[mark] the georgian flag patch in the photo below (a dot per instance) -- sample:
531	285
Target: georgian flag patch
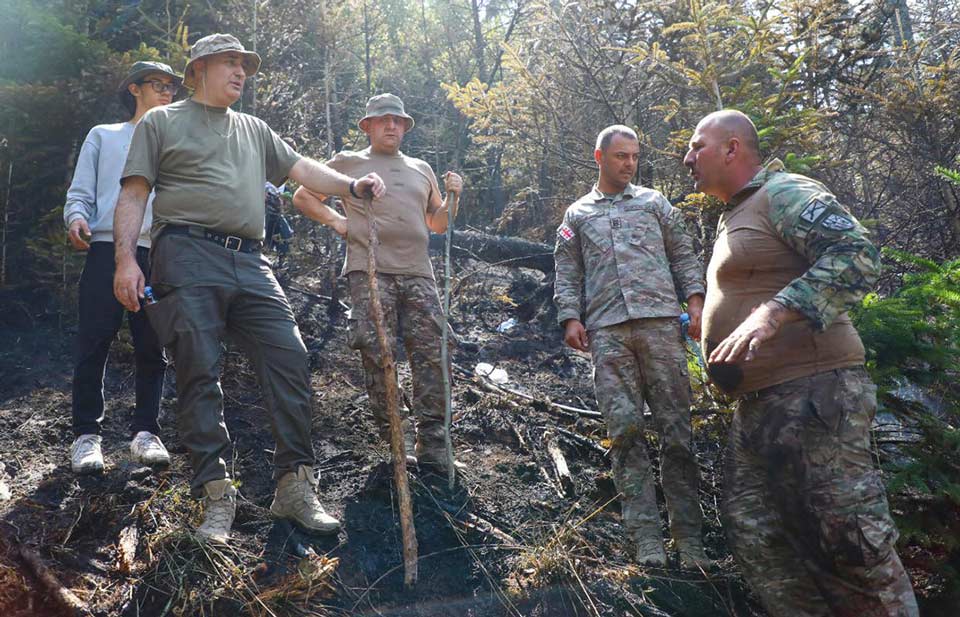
565	233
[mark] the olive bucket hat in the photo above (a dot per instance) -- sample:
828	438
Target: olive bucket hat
385	105
141	69
214	44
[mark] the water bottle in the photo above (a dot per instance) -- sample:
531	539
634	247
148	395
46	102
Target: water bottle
684	326
148	297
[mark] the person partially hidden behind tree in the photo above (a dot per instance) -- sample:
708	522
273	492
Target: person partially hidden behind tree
209	165
623	257
804	507
88	215
410	210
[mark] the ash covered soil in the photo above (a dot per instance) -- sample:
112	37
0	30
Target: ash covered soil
510	539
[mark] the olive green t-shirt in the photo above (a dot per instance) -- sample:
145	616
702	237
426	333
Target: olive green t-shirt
208	166
401	214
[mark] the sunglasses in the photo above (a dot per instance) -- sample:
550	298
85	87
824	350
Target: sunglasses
160	87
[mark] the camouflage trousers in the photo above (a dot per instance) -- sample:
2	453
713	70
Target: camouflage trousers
637	361
804	508
411	309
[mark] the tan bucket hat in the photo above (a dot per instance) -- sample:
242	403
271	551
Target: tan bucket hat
385	104
214	44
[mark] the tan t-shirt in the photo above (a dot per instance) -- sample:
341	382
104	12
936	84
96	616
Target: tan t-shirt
750	265
208	166
401	213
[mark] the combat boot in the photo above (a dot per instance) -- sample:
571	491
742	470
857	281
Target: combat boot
219	508
409	441
692	555
650	552
296	499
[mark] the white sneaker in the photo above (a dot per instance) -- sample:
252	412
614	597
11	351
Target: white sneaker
85	454
147	449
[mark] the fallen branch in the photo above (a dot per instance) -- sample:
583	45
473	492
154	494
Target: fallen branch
407	530
318	297
545	402
560	466
65	598
127	543
476	522
580	440
505	250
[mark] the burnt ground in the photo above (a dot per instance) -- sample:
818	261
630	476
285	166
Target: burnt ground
506	541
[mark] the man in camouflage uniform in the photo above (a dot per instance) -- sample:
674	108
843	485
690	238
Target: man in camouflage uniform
804	507
623	253
411	208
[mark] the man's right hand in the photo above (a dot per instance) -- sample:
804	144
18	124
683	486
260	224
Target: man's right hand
340	226
370	186
78	230
575	335
128	283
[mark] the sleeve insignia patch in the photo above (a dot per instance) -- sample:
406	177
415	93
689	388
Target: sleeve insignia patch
565	233
813	211
837	222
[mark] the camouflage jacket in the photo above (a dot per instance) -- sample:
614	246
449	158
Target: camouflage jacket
844	264
623	258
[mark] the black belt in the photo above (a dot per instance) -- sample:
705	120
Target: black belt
233	243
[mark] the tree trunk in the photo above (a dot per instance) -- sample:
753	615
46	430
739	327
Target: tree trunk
512	252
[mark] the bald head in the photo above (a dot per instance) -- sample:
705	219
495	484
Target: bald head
724	153
733	124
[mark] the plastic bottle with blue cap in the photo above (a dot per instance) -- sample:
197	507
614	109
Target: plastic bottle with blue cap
695	346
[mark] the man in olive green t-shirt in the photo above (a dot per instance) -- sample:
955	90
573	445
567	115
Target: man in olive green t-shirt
411	208
208	165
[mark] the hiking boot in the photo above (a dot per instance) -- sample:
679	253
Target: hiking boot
650	553
296	499
692	556
219	508
85	454
409	442
147	449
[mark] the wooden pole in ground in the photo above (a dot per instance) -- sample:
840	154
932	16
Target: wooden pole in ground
453	199
407	529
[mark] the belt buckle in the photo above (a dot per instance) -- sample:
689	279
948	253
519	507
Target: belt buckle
233	243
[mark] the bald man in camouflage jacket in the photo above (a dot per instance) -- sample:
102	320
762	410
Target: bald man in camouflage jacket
804	507
623	255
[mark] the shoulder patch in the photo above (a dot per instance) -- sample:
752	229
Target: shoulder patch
565	232
814	210
837	222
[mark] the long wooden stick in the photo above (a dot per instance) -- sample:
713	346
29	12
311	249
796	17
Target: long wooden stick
445	340
407	529
66	599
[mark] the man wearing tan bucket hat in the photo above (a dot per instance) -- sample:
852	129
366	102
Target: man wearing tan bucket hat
411	208
208	165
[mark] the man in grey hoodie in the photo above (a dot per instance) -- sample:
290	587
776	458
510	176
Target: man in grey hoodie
88	215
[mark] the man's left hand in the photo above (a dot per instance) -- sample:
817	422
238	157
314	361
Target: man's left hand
743	343
370	186
452	182
695	311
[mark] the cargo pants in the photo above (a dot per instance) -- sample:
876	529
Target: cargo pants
205	292
411	309
644	360
804	508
